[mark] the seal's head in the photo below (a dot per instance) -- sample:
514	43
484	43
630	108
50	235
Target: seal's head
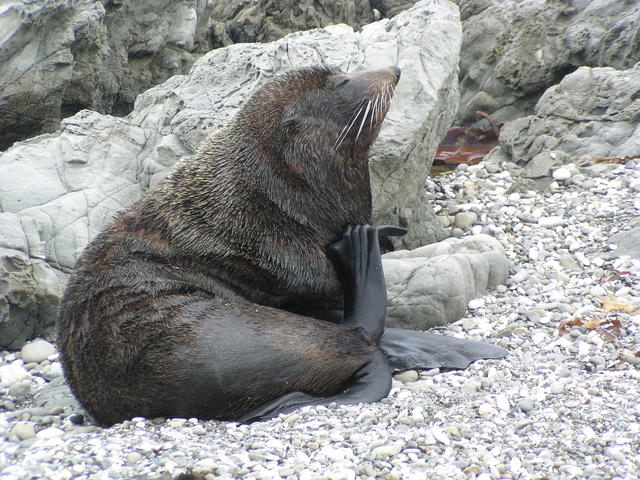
309	132
340	111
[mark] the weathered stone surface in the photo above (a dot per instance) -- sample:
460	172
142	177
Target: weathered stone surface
57	191
627	241
56	394
514	50
592	112
60	56
239	21
432	285
390	8
30	292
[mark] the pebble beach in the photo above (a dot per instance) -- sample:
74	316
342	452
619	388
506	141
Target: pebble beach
564	404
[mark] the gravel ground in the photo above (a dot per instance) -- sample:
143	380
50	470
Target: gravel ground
564	404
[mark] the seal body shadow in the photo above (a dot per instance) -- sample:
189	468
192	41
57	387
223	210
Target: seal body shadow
215	296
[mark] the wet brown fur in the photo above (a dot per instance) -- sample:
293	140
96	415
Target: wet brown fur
182	306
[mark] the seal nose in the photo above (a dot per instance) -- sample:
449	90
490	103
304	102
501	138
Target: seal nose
396	72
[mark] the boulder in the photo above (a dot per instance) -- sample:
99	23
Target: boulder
432	285
59	57
58	190
514	50
239	21
591	113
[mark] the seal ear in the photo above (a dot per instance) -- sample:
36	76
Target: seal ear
291	121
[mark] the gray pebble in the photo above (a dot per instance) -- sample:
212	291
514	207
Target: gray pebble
519	277
20	389
457	232
470	387
408	376
526	405
23	430
464	220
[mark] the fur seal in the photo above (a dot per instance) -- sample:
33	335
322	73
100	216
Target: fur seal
248	282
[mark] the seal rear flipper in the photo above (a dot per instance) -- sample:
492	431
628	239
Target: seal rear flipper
410	349
370	383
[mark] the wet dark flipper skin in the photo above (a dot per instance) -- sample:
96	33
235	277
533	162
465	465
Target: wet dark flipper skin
356	257
409	349
370	383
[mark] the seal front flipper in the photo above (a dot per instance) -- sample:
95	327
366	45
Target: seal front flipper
356	257
370	383
410	349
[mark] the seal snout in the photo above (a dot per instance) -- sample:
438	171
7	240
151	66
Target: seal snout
396	71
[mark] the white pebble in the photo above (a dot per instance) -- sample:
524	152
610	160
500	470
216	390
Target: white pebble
502	402
49	433
204	465
556	387
561	174
408	376
615	453
486	410
386	451
476	303
589	432
14	372
440	436
37	351
552	221
515	465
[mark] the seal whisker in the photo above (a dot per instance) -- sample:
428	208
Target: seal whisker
385	99
364	118
382	102
374	112
345	130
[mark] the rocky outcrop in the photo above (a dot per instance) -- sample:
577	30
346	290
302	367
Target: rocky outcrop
239	21
514	50
432	285
60	56
58	190
592	113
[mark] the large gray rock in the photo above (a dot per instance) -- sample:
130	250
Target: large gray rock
432	285
592	112
514	50
627	241
239	21
57	191
60	56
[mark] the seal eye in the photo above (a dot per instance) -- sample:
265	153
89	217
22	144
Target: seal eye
340	81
